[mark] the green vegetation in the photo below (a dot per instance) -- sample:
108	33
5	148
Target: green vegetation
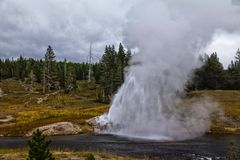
62	75
211	75
39	147
112	67
55	75
62	154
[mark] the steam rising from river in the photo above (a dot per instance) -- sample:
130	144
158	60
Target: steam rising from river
169	34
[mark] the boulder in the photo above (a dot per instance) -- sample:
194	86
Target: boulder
60	128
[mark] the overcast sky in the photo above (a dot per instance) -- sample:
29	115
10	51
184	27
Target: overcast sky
226	45
27	27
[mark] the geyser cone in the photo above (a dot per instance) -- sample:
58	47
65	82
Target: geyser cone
168	35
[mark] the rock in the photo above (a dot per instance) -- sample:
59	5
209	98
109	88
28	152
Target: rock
100	124
39	100
6	119
92	121
60	128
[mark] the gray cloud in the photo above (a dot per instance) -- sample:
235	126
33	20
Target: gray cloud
28	27
225	44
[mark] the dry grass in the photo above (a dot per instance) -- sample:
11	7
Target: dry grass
229	103
62	154
28	114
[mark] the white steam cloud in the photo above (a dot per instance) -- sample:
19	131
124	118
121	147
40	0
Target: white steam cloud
169	34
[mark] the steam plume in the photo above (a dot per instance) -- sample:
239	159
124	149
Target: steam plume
168	34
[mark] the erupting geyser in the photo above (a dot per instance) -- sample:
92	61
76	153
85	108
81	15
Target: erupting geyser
168	34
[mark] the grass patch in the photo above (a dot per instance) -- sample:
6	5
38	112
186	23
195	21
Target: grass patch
61	154
229	103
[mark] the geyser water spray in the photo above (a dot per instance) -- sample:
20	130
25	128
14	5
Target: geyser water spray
168	35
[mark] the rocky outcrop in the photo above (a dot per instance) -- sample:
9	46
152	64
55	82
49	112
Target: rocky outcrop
60	128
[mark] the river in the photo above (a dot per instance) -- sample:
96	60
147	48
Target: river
206	147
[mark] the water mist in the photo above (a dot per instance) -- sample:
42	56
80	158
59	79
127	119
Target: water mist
168	34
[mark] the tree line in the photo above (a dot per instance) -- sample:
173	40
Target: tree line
112	67
109	72
55	75
212	75
51	73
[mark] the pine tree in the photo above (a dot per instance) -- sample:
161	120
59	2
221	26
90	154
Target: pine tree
49	82
128	57
60	77
111	70
70	79
106	74
234	72
65	73
37	70
96	72
114	76
7	70
39	147
30	79
237	57
21	68
121	62
211	75
215	72
197	81
237	69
